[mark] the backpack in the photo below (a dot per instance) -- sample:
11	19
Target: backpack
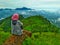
14	22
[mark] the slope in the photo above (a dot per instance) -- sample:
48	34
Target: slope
16	39
39	24
43	32
5	24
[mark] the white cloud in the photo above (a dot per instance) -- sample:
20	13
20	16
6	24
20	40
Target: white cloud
58	19
1	18
23	12
30	3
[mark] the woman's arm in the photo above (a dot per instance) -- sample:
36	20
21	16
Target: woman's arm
21	24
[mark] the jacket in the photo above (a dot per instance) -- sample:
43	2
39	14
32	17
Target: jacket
17	29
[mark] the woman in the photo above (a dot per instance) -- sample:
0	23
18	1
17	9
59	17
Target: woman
16	25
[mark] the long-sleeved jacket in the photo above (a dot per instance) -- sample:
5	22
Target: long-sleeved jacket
17	29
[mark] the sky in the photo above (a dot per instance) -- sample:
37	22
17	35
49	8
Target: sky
35	4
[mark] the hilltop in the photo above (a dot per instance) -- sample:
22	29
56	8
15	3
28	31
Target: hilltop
43	32
39	24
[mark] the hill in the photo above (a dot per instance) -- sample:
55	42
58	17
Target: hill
5	24
23	8
43	32
39	24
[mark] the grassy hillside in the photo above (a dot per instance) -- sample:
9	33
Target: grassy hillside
3	36
43	32
45	38
5	25
39	24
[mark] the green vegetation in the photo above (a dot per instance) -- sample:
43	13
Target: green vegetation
5	25
43	32
3	36
45	38
39	24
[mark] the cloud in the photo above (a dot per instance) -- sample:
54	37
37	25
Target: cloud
30	3
58	19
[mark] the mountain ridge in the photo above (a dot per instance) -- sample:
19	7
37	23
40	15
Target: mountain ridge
42	30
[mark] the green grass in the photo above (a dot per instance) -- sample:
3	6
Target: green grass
3	36
43	32
45	38
39	24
